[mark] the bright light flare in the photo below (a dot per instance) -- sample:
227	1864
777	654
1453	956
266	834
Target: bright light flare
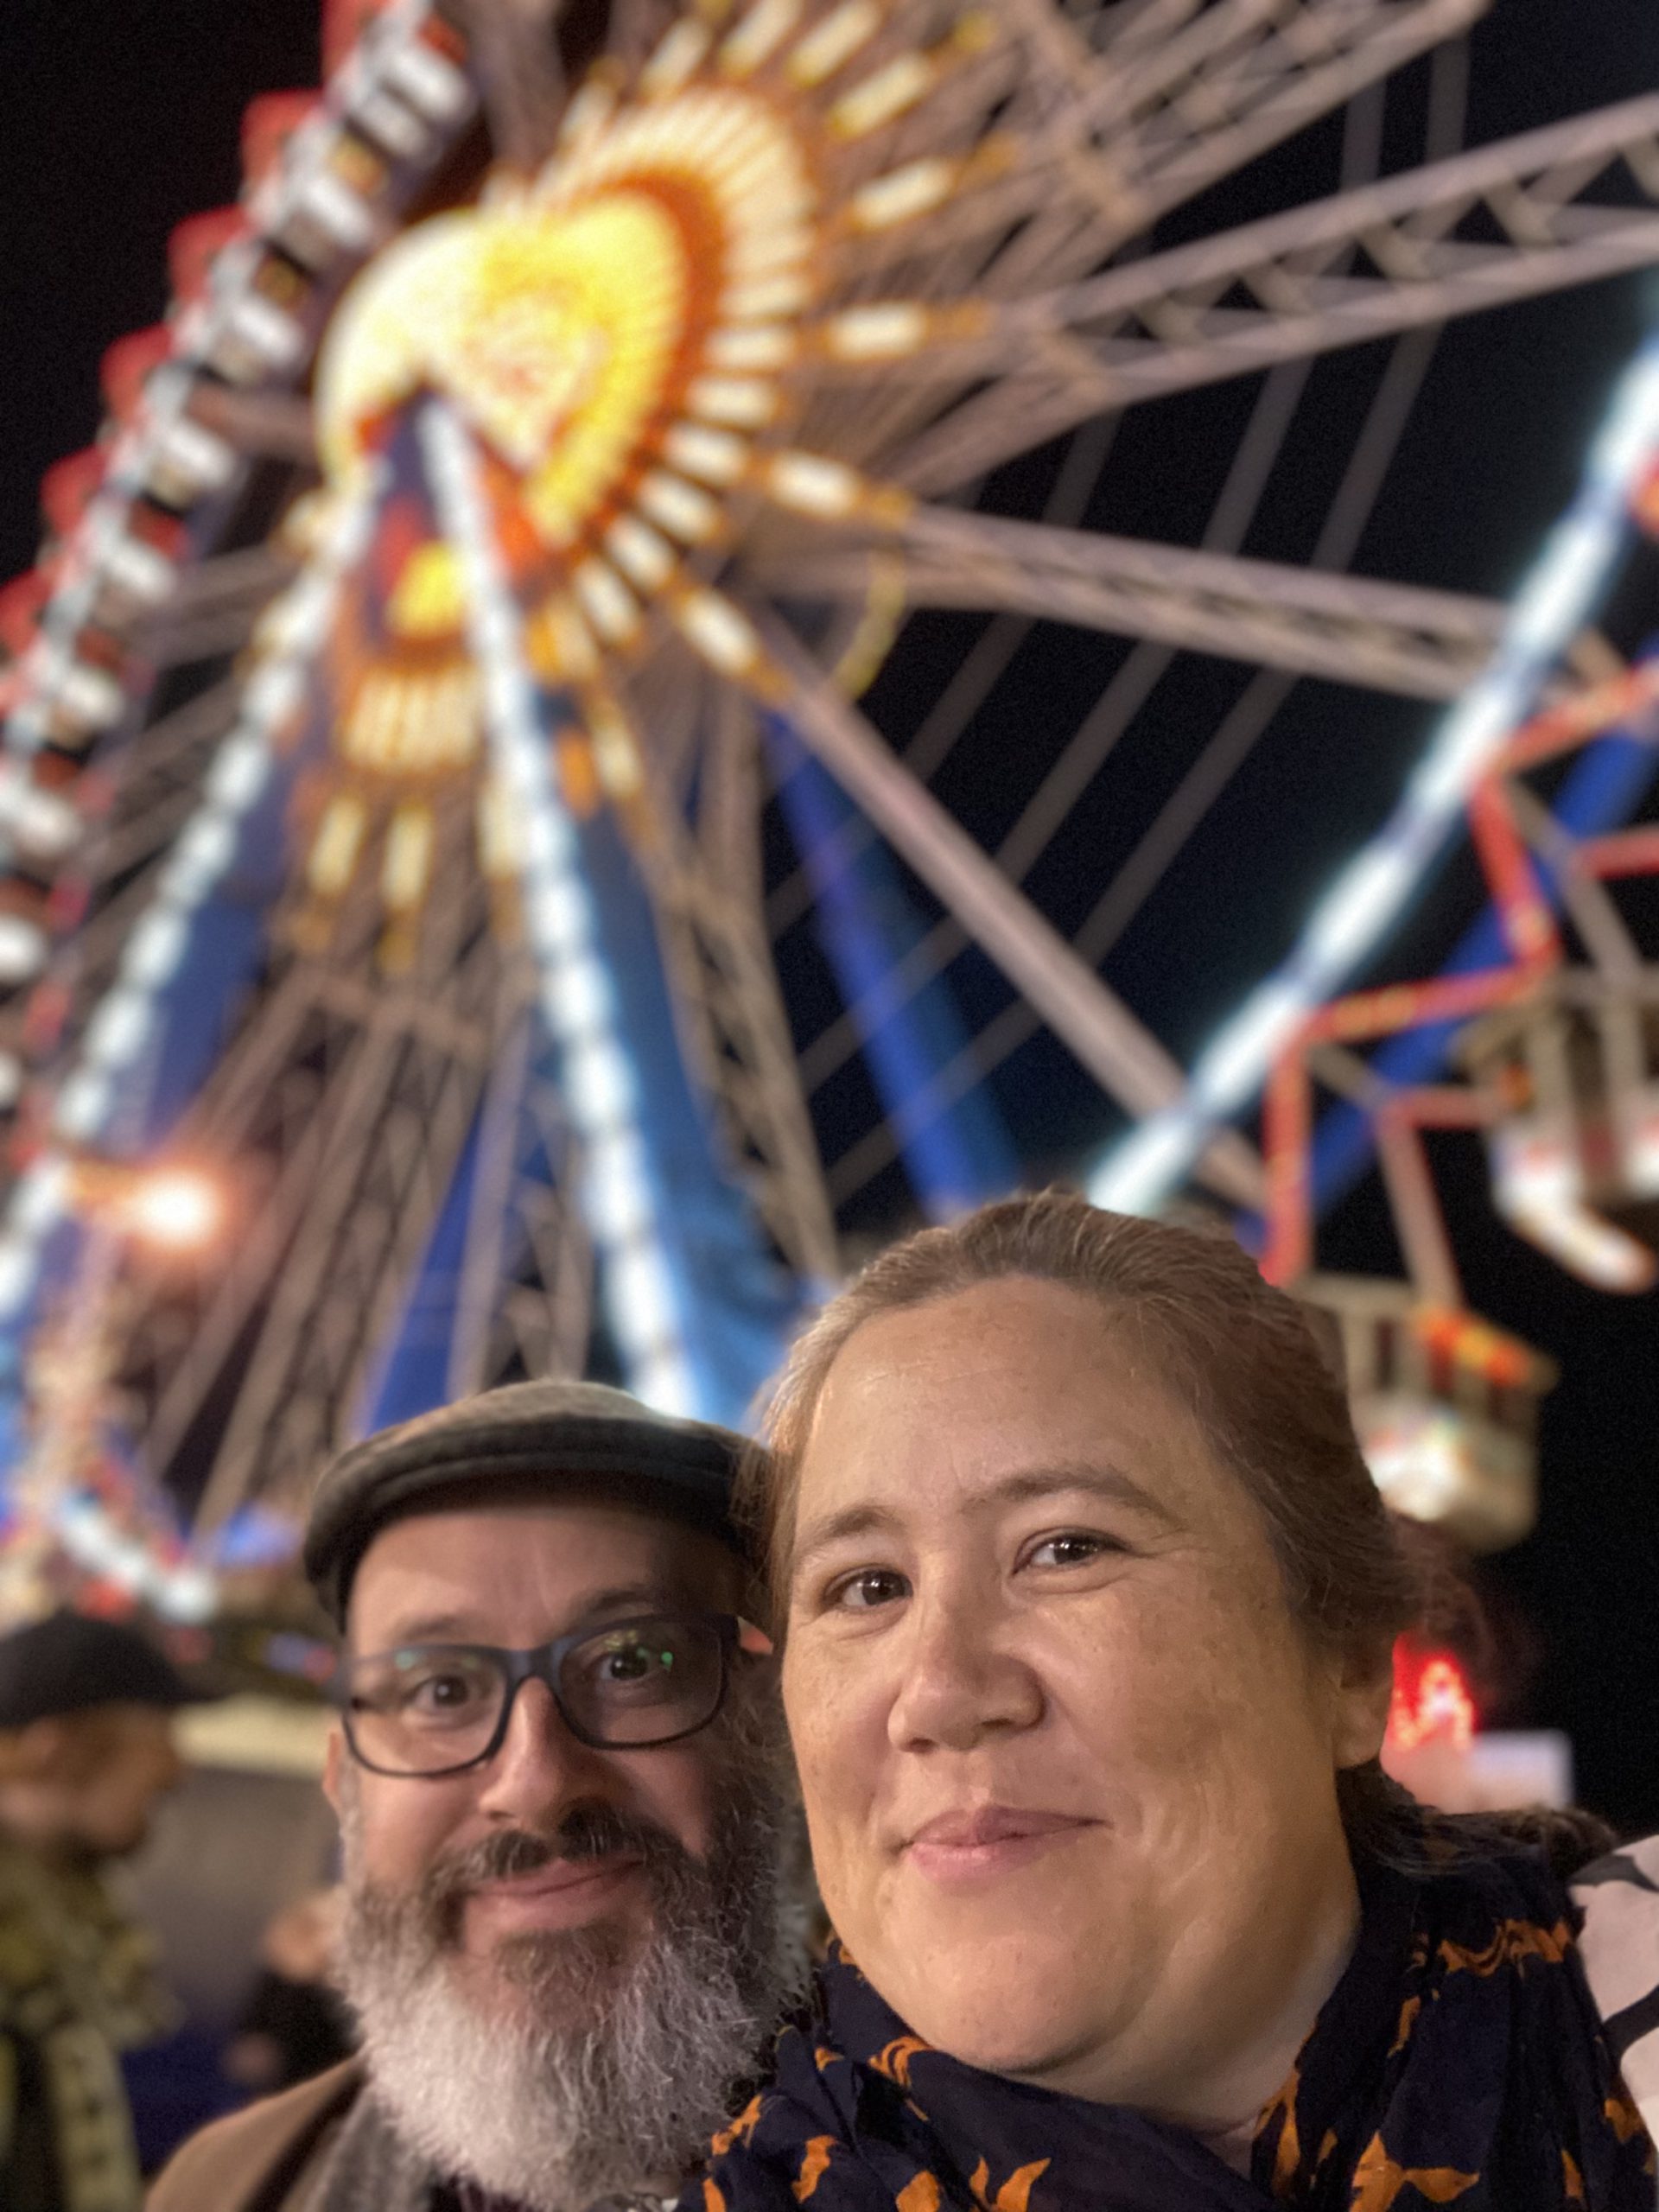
176	1208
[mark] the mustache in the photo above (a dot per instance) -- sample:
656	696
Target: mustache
587	1832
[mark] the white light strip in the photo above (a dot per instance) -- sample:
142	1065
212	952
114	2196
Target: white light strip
391	48
125	1023
598	1082
1349	922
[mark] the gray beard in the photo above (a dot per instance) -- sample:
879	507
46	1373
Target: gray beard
603	2074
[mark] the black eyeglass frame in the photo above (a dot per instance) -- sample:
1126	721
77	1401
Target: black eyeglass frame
542	1663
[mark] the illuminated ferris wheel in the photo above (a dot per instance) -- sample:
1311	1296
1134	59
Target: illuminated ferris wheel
440	707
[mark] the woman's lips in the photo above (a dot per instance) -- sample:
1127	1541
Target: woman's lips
988	1840
565	1893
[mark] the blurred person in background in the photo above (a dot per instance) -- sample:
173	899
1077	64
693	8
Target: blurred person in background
566	1937
86	1754
294	2025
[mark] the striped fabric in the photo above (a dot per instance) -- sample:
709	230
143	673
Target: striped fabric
1620	1896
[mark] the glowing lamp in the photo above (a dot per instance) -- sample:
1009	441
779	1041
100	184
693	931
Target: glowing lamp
176	1208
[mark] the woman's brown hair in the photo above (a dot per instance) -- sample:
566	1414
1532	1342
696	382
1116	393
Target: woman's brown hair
1239	1354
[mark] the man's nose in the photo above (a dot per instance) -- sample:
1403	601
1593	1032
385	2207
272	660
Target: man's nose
960	1682
540	1766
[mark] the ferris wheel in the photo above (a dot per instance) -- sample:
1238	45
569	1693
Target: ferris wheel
445	795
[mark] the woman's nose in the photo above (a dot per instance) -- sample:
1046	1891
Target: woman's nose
961	1682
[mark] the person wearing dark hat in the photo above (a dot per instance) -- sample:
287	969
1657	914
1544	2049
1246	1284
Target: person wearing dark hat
567	1934
86	1752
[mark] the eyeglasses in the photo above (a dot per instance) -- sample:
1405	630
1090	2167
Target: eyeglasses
431	1709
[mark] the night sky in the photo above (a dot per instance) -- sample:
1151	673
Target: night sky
119	121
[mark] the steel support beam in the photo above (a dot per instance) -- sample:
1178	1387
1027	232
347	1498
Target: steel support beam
1424	644
1241	300
1122	1055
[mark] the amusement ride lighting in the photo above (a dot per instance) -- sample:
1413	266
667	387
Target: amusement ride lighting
601	1084
176	1208
1350	921
128	1016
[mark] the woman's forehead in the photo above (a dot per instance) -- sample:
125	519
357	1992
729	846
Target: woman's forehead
1008	1377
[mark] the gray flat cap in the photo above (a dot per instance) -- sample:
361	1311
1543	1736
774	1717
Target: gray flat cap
525	1432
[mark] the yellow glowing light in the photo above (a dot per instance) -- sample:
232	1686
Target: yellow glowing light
716	456
678	507
606	601
408	866
884	97
414	721
678	57
175	1207
587	113
500	833
758	37
560	644
724	637
643	554
814	486
903	194
616	751
761	346
428	601
834	43
339	840
764	297
745	402
885	332
617	332
554	331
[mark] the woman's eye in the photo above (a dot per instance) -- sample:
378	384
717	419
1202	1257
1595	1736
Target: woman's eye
869	1588
1076	1549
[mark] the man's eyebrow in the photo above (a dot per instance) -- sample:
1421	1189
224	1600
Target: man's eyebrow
1023	1485
464	1627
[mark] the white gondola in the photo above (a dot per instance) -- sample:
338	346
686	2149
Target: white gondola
1575	1151
1446	1406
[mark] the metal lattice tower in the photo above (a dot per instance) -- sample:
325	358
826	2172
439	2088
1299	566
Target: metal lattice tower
393	731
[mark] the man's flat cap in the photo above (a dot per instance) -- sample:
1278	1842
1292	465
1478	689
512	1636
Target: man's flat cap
524	1433
69	1663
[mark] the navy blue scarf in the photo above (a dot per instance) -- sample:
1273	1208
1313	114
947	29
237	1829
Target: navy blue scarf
1460	2060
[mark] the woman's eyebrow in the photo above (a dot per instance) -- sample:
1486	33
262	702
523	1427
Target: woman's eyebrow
1099	1479
1023	1485
832	1528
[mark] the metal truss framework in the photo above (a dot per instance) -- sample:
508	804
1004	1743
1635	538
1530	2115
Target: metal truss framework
1508	222
359	1095
1423	644
1512	830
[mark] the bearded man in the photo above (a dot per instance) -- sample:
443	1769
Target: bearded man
558	1782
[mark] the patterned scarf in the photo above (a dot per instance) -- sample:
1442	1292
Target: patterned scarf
1460	2060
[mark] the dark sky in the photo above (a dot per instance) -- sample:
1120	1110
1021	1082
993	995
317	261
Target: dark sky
117	122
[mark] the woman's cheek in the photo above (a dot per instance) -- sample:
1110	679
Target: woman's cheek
831	1705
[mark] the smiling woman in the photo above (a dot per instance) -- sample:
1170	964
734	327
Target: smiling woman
1086	1601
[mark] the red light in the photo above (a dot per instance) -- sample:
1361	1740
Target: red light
1431	1699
